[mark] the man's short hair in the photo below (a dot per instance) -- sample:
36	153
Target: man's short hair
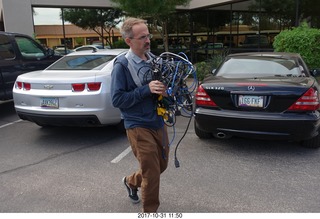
126	28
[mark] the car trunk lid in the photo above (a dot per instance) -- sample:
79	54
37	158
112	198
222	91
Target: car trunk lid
59	80
263	94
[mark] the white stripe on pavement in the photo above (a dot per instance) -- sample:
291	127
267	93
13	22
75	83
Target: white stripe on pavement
11	123
122	155
115	160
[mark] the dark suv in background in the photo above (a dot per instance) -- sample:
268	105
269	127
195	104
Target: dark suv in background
19	54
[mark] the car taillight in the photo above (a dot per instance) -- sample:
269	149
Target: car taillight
92	86
78	87
309	101
27	86
23	85
203	99
19	85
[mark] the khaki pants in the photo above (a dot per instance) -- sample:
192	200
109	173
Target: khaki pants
151	148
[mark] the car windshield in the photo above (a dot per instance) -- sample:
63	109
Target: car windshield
256	40
259	67
81	62
212	46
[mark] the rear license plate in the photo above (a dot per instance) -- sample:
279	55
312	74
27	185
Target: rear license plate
49	102
250	101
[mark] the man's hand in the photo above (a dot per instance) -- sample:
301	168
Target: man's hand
157	87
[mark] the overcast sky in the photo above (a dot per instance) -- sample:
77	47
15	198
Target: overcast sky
47	16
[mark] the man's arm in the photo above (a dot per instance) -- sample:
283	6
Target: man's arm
124	94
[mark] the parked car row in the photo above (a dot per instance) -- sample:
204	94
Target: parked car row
65	51
264	95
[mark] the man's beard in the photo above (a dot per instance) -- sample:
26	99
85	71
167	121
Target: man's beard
147	45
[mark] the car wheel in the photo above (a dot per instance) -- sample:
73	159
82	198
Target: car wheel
312	142
200	133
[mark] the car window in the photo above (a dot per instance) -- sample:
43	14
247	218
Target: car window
62	51
84	48
6	50
256	39
218	45
29	49
259	67
98	46
81	62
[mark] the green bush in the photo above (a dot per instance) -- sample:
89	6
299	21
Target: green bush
202	70
205	68
303	40
120	44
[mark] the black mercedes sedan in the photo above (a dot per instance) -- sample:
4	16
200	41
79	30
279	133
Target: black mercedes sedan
263	95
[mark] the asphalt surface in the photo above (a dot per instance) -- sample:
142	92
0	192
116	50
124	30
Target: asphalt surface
79	170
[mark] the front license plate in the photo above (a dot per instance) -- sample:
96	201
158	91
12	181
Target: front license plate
49	102
250	101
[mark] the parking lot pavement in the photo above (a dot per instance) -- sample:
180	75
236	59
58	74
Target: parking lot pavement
73	170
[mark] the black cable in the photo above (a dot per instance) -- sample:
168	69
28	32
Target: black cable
172	70
176	161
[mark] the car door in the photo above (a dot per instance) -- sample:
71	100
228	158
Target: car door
20	54
10	67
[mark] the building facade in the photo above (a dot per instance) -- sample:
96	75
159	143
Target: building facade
10	9
200	26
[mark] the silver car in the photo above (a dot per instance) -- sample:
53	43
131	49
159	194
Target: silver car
73	91
88	47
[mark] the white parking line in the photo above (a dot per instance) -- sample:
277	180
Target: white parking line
122	155
115	160
11	123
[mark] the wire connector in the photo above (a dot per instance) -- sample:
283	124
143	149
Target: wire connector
176	162
173	70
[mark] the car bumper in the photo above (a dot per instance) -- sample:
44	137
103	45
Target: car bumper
286	126
90	110
53	120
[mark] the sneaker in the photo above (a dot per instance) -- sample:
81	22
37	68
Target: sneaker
132	192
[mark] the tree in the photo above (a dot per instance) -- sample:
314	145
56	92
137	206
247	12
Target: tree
156	11
310	12
99	20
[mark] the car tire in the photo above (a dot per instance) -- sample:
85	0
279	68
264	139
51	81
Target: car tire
312	142
202	134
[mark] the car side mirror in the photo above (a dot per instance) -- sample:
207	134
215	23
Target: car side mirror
50	52
213	71
315	72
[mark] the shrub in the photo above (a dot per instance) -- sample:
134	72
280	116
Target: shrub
120	44
205	68
303	40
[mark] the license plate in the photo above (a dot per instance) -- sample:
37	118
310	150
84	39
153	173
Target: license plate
49	102
250	101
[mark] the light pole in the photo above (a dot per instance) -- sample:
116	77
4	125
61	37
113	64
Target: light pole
297	13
